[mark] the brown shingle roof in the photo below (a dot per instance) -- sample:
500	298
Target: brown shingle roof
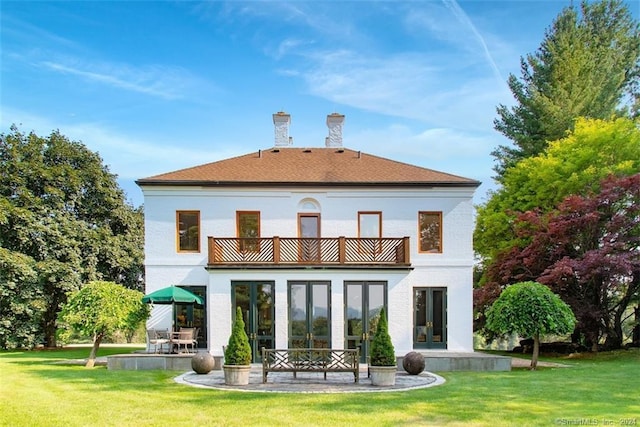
306	167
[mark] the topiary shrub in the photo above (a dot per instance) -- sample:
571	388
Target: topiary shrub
382	352
238	351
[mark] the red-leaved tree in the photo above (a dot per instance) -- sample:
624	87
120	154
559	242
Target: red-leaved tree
588	252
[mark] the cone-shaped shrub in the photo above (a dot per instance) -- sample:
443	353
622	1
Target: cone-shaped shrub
382	352
238	351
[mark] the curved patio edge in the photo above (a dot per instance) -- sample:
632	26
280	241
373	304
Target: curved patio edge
309	382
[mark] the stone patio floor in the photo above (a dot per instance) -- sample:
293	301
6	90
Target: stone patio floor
309	382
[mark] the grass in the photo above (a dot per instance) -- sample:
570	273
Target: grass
37	391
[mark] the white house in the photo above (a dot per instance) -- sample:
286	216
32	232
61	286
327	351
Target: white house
311	243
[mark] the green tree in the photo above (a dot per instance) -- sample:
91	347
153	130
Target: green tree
63	209
575	164
100	309
587	66
586	251
382	352
530	309
21	301
238	351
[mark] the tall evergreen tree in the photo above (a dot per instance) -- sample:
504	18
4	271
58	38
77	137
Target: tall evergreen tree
587	65
63	210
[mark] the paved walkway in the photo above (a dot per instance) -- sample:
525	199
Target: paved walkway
310	382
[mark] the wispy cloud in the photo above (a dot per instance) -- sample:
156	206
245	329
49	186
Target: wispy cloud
463	18
30	35
33	46
286	46
319	17
403	85
449	27
426	146
127	155
445	76
159	81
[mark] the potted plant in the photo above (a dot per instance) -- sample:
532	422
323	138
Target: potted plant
382	356
237	354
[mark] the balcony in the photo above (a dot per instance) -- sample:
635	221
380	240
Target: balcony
288	252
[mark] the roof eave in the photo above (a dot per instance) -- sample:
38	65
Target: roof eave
192	183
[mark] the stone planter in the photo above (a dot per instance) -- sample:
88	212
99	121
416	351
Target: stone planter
383	376
203	362
236	374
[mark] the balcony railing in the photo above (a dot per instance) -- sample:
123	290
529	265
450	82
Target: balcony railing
339	251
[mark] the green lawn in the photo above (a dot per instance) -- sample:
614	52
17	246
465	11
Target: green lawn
36	391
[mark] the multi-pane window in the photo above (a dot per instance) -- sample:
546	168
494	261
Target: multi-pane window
248	229
369	224
369	231
188	230
430	232
309	233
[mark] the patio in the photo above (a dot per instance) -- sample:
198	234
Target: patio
283	382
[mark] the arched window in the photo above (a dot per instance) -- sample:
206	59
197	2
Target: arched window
308	205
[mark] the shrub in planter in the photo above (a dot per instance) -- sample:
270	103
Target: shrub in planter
382	352
237	354
238	351
382	356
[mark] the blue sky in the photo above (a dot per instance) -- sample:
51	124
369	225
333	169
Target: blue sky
156	86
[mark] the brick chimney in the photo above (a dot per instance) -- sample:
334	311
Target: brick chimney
334	122
281	121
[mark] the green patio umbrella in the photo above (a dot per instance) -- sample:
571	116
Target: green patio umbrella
171	295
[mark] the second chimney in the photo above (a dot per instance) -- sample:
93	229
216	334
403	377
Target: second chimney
334	122
281	121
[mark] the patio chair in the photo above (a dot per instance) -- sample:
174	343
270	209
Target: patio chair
194	335
158	338
185	337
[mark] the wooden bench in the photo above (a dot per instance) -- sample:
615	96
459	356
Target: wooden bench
310	360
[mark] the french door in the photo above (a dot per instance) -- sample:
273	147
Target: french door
192	316
430	318
309	314
363	302
256	300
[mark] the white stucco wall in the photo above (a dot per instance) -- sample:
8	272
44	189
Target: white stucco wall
452	269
